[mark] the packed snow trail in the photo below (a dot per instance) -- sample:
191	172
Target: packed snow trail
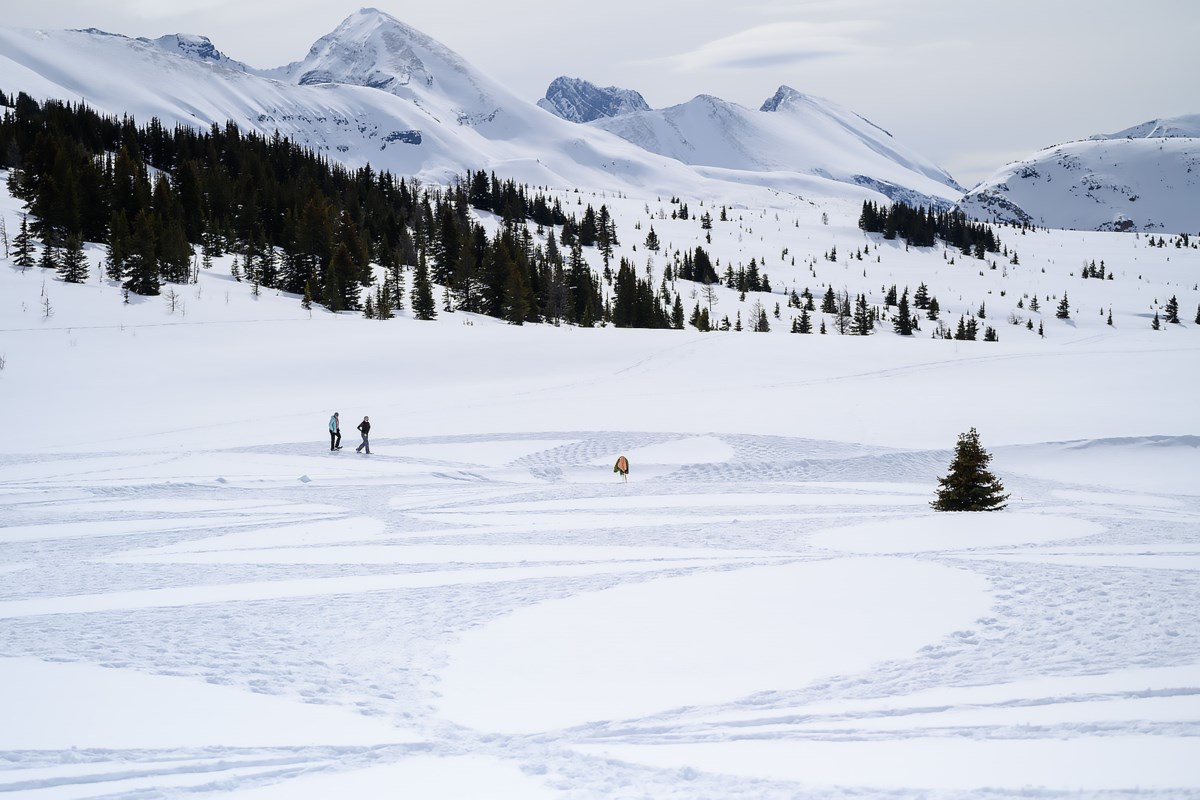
504	604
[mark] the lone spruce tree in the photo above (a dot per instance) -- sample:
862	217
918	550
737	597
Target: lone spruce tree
422	292
970	486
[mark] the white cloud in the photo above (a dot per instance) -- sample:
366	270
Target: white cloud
778	43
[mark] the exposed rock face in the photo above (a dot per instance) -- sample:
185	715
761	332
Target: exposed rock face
578	100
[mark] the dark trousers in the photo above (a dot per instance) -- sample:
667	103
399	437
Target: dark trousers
335	440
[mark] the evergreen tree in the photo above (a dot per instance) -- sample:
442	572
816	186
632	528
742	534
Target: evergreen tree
74	266
48	259
829	302
1197	315
394	285
516	295
1154	323
423	305
804	323
862	323
921	297
23	245
934	309
116	260
142	275
652	241
677	314
970	486
1064	308
904	323
337	275
383	304
1171	311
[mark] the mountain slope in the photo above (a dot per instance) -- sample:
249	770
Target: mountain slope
1122	181
577	100
792	132
380	92
374	91
375	50
1184	127
195	47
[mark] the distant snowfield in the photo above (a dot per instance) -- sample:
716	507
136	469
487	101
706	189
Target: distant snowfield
198	598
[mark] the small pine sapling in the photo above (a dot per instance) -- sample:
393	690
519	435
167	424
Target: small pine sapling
970	485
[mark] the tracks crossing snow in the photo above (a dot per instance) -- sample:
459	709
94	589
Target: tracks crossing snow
383	590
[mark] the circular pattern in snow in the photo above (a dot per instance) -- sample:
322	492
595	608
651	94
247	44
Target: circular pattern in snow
953	531
692	450
710	638
58	706
911	767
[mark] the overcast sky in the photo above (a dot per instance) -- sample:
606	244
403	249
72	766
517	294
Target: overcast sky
972	84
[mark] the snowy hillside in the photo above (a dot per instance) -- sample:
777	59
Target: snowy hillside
374	91
199	48
378	91
577	100
1185	127
1145	178
198	598
375	50
792	132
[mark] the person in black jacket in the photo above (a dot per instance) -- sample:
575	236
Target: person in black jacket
364	428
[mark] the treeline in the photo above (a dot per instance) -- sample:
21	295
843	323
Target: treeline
923	227
167	201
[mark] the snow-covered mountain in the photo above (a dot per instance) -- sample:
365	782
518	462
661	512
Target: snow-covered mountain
1144	178
374	91
791	132
577	100
375	50
378	91
1184	127
192	46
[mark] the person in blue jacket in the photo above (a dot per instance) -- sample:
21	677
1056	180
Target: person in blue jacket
335	433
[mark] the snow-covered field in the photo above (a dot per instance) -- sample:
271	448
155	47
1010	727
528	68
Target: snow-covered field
197	598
